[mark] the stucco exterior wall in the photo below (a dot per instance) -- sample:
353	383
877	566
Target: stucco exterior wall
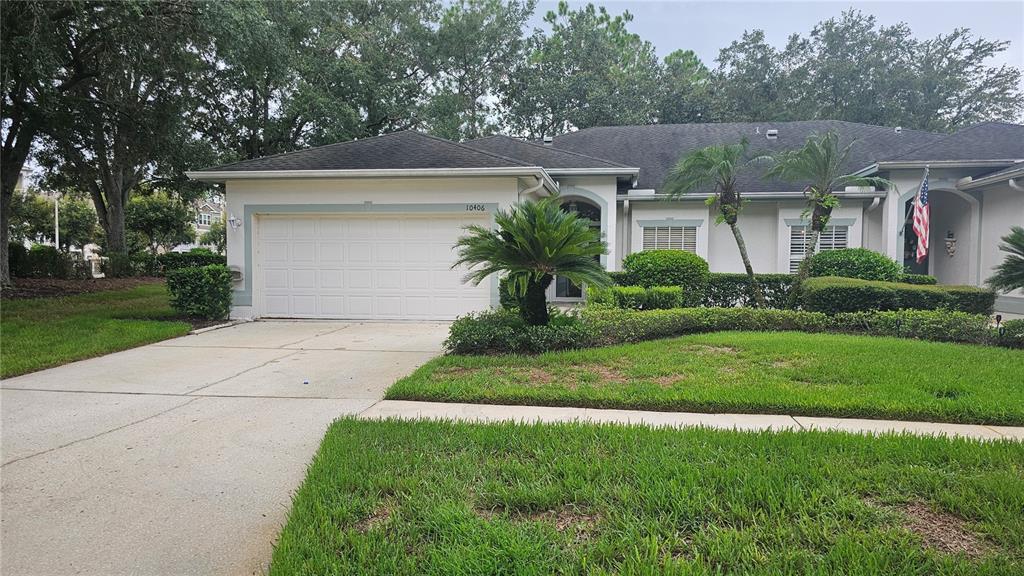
1002	207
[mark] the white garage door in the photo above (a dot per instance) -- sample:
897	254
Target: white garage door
364	267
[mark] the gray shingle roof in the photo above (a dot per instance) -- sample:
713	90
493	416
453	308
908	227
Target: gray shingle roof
395	151
537	154
985	141
656	148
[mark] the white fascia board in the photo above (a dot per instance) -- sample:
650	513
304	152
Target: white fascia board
985	180
750	196
997	163
593	171
224	175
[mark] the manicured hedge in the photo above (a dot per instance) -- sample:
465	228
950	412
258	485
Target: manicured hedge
505	332
502	332
855	263
917	279
833	295
669	268
731	290
1012	334
42	261
176	260
201	292
638	297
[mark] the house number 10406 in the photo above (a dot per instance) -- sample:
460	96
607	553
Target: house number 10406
475	208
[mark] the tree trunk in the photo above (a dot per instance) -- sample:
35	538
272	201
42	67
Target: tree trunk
819	219
116	243
755	286
5	220
534	306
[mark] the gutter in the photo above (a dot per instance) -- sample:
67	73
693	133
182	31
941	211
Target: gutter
750	196
971	183
947	164
224	175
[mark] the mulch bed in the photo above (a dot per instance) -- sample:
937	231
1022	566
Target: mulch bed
49	287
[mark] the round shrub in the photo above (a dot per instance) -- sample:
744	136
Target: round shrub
670	268
856	263
201	292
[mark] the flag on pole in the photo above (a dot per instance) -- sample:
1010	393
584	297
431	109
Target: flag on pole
922	214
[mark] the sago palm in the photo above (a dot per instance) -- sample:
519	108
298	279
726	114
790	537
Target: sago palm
821	162
534	241
718	167
1010	274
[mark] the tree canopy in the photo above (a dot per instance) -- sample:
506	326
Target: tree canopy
109	96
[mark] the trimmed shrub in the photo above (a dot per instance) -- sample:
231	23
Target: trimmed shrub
855	263
638	297
124	266
936	325
201	292
918	279
505	332
970	299
670	268
732	290
175	260
17	260
622	278
834	295
41	261
1012	335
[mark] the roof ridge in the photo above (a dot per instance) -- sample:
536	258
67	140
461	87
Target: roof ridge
470	148
309	149
939	141
360	140
552	147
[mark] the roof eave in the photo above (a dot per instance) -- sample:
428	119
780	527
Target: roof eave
221	176
992	179
994	163
780	195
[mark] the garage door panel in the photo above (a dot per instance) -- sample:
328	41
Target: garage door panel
361	267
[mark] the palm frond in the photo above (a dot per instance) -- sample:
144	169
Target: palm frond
531	240
1010	273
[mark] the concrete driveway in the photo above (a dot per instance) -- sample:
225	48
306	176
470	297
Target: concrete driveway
181	457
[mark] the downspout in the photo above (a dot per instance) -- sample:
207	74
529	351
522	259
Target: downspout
532	189
1013	184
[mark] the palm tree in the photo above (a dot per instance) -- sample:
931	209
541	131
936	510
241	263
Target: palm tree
718	166
1010	274
534	241
821	162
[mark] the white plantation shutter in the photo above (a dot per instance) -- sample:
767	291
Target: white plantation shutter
670	238
831	238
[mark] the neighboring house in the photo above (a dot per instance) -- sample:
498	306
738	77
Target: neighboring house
365	229
207	211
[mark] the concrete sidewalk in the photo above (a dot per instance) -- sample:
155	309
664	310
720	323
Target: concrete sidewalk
497	413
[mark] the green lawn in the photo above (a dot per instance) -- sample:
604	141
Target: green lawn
758	372
44	332
440	498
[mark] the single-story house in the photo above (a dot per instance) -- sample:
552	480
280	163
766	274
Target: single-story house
364	229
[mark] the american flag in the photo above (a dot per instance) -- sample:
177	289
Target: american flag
922	213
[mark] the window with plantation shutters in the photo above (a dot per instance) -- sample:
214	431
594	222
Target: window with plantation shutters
670	238
831	238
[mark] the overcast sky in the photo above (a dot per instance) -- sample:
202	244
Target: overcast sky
706	27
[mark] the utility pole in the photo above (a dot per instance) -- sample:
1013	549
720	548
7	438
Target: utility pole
56	221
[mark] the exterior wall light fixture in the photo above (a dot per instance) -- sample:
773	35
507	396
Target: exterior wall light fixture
235	223
950	243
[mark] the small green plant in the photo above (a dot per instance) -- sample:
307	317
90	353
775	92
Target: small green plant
201	292
856	263
638	297
670	268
